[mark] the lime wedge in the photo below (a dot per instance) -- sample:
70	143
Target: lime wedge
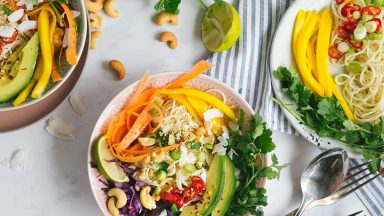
103	157
220	27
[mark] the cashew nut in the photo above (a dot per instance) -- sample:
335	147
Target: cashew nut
94	36
109	10
166	17
95	21
146	199
170	38
121	197
117	66
111	205
94	6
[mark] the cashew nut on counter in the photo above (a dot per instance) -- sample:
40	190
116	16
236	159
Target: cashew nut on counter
111	205
146	199
121	197
108	9
94	36
170	38
117	66
95	21
166	17
94	6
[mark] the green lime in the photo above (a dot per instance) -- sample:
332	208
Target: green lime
103	157
220	27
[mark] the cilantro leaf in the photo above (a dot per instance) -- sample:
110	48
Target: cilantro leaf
171	6
327	118
246	149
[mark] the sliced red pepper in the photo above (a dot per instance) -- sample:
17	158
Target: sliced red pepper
1	48
333	52
371	10
11	39
167	197
378	24
197	183
343	33
351	7
349	15
339	1
350	27
188	195
356	44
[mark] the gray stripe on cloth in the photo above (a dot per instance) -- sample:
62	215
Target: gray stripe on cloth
245	67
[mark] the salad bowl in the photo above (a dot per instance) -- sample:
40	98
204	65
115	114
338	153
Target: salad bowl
79	8
202	82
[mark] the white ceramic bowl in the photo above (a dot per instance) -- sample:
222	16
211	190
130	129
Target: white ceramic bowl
202	82
76	5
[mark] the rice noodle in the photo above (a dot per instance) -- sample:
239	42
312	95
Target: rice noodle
364	91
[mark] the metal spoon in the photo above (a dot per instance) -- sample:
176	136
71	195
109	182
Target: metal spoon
323	176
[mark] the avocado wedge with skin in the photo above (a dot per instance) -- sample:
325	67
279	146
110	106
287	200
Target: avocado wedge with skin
22	70
213	191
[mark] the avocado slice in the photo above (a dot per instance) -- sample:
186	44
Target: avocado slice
213	191
22	70
229	188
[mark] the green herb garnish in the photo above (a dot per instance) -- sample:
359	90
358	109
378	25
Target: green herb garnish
171	6
6	10
326	117
247	152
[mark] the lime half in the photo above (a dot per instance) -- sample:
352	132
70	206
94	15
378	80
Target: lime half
103	157
220	27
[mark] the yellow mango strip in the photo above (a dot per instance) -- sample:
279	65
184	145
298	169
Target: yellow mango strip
24	94
212	100
46	52
342	101
182	100
322	47
199	105
299	23
39	68
311	55
303	41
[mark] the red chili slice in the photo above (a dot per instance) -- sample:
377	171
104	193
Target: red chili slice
350	27
1	48
371	10
188	195
351	7
356	44
343	33
11	39
333	52
349	15
167	197
378	24
339	1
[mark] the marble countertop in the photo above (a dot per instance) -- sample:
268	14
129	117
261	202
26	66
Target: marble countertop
56	182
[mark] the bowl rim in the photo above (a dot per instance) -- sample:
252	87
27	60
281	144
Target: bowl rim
222	85
84	24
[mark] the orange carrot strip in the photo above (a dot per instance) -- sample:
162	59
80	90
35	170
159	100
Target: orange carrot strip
161	117
131	159
140	87
139	126
12	5
54	74
199	68
70	53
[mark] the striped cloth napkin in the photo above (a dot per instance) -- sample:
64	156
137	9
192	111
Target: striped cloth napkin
245	67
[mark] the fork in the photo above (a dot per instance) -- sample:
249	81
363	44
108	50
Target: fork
348	187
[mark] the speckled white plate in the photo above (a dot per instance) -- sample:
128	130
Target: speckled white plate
281	55
202	82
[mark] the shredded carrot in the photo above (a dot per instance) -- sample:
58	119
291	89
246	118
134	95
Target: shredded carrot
12	5
140	87
70	53
199	68
54	74
139	125
131	159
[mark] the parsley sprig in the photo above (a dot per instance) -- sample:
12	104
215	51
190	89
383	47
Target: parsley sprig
246	150
326	117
